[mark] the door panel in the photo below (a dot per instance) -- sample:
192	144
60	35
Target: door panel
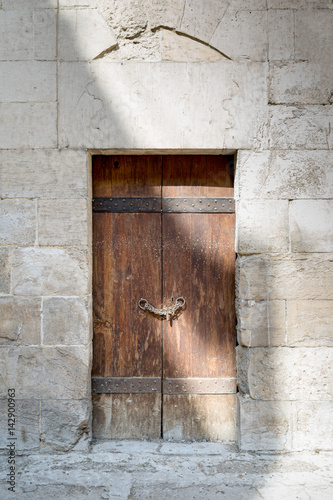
144	367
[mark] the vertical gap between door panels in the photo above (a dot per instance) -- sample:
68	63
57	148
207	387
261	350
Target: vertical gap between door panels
162	294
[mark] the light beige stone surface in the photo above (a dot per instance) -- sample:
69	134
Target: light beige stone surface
28	125
284	174
55	227
5	270
28	4
20	320
229	102
262	226
299	127
280	35
200	19
265	425
298	4
17	222
309	322
45	35
165	13
67	320
41	373
26	425
313	35
286	374
50	271
242	35
128	18
285	277
27	81
43	173
300	83
16	41
65	424
83	35
175	47
313	425
262	323
311	225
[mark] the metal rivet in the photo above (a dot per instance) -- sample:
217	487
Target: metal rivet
215	208
185	200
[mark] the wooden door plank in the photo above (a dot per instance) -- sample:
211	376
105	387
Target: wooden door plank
198	264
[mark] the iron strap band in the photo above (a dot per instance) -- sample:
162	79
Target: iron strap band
149	385
164	205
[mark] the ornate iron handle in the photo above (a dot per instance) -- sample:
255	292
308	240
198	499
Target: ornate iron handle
167	313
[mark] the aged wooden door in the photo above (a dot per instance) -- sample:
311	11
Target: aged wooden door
163	229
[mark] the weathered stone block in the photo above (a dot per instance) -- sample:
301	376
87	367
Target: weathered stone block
128	18
262	323
43	173
67	320
83	35
175	47
75	3
65	425
311	225
26	424
20	320
228	99
285	277
29	125
28	4
309	322
45	35
280	35
300	83
55	227
284	174
262	226
200	20
298	4
286	374
314	425
5	270
300	127
24	81
165	13
17	222
265	425
44	372
50	271
16	41
313	35
242	34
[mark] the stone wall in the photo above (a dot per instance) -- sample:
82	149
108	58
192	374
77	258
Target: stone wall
168	75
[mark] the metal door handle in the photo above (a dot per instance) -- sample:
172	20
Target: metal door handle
165	313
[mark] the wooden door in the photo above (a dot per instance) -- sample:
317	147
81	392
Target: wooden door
163	228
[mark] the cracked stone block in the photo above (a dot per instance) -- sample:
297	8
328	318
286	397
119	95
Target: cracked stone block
265	425
200	19
175	47
165	13
242	35
29	125
65	425
311	228
67	320
5	270
128	18
26	424
300	83
28	81
44	372
283	373
17	222
280	35
56	228
284	174
83	35
38	173
262	324
314	425
309	322
229	99
20	320
301	127
262	226
50	271
279	277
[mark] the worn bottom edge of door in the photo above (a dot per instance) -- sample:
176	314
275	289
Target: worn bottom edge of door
186	417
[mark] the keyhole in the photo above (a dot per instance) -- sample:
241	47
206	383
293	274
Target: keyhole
116	164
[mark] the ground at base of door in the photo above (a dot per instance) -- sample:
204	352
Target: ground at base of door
134	470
